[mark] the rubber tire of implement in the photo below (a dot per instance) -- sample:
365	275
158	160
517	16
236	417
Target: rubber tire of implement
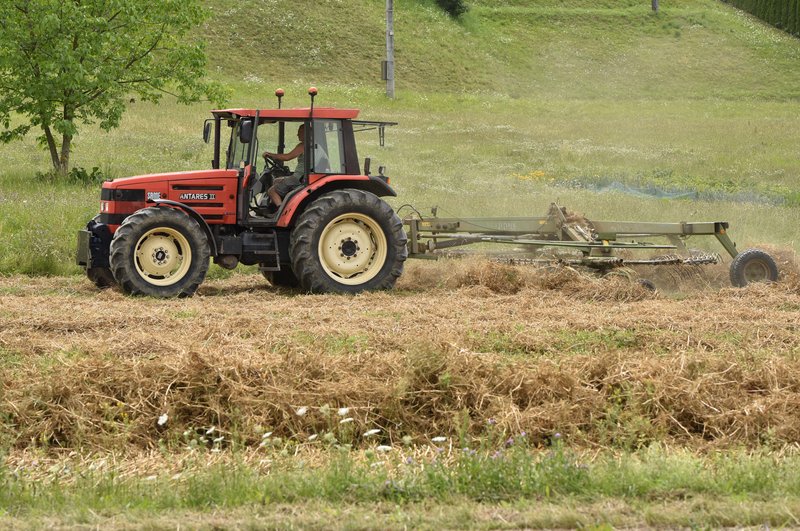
284	278
313	222
128	236
750	262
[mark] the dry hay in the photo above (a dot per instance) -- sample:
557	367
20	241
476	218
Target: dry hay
600	360
499	278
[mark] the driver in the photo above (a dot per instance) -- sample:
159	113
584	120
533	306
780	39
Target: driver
283	185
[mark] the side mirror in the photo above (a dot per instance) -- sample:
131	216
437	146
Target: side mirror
245	131
207	132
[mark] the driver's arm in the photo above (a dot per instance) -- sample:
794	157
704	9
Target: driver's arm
283	157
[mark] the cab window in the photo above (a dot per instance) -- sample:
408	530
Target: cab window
328	147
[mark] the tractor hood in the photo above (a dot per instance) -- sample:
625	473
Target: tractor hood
173	177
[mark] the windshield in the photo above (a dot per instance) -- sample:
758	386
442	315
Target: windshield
267	139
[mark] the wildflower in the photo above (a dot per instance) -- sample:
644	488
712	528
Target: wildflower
312	437
523	434
491	421
557	436
409	460
497	454
439	439
509	442
343	411
370	433
163	419
301	411
347	420
383	448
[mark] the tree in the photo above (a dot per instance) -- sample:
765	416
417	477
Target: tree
69	62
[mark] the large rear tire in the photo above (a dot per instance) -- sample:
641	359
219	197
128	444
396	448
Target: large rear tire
753	265
348	241
160	252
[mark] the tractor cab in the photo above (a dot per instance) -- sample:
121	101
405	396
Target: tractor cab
329	152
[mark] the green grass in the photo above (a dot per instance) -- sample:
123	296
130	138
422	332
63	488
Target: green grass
650	481
605	107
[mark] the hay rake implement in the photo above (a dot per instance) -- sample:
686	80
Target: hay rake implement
573	240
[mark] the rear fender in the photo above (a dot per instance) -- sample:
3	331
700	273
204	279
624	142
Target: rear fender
295	202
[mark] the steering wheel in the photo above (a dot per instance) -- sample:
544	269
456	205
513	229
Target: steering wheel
271	163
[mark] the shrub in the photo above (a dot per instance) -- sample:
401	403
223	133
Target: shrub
455	8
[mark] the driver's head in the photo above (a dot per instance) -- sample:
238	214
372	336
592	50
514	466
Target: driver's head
300	131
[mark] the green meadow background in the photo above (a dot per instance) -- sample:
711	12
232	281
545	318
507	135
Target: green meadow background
602	106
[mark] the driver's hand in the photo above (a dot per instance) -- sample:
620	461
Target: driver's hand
266	155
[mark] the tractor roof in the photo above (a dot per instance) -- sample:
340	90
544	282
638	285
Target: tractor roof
288	114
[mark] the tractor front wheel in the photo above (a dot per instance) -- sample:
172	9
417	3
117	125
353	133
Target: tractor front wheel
753	265
348	241
160	252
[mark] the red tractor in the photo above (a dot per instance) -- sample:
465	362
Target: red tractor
155	234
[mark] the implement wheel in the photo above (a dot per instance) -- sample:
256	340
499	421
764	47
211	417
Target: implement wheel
160	252
348	241
753	265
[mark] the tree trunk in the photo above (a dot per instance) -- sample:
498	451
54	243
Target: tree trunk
66	142
51	146
655	6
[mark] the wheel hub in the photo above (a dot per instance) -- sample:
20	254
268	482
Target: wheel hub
348	248
160	256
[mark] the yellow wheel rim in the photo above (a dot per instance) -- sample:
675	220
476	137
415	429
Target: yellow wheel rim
163	256
352	249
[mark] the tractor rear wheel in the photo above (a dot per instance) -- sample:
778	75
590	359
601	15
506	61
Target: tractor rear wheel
160	252
348	241
753	265
284	278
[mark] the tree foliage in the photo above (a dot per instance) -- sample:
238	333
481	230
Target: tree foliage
784	14
69	62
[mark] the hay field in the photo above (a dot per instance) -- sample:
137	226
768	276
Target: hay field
602	361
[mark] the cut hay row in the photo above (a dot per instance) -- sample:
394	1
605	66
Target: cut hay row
603	361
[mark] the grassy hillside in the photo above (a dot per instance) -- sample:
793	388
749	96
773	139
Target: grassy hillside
518	104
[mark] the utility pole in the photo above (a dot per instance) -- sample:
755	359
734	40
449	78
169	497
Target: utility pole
389	74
